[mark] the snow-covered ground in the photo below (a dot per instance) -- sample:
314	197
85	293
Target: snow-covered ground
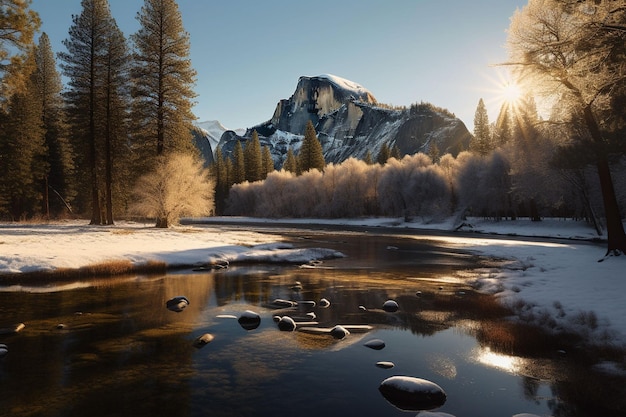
562	284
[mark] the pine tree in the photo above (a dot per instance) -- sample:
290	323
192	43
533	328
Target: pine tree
368	158
163	81
18	25
395	152
239	164
59	178
220	175
22	151
290	164
383	154
310	155
253	158
268	161
481	142
93	63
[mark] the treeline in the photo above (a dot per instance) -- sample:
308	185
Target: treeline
126	108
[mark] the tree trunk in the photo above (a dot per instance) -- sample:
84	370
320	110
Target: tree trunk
162	223
614	227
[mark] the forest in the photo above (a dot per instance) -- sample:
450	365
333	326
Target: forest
117	140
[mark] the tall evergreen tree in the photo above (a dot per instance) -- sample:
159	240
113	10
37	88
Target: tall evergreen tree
220	175
162	81
290	164
22	151
253	158
18	25
267	161
481	142
310	155
383	154
94	105
239	164
59	178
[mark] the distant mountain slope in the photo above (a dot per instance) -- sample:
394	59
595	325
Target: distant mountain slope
207	135
350	122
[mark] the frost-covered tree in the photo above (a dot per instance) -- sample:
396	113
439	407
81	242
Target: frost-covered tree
481	142
178	186
383	154
574	51
267	162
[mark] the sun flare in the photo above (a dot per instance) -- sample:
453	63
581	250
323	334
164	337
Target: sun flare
511	93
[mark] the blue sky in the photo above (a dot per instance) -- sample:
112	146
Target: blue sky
249	53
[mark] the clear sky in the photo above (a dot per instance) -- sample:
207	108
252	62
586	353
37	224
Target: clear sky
249	54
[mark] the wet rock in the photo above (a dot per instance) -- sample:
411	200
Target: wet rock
177	304
385	364
390	306
280	303
306	304
202	341
60	326
249	320
375	344
339	332
418	293
362	308
286	324
297	286
4	350
412	394
324	303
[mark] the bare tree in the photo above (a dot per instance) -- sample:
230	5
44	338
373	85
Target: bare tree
574	51
179	186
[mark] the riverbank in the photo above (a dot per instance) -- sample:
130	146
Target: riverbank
557	284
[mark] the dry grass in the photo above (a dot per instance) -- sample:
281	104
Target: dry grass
101	269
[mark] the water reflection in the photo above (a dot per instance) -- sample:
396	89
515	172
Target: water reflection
121	352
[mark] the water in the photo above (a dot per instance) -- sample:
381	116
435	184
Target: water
110	347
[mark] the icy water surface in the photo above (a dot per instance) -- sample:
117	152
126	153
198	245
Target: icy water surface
111	348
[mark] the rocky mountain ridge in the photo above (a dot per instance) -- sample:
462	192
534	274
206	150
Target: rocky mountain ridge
349	122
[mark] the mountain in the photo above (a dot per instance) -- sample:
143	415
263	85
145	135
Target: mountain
207	135
350	122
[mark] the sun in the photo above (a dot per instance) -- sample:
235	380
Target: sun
511	93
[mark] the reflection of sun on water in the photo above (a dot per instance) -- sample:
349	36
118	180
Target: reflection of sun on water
496	360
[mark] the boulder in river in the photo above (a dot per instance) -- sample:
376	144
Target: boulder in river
339	332
4	350
202	341
375	344
390	306
286	324
177	304
412	394
249	320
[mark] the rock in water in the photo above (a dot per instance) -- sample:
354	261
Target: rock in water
202	341
339	332
412	394
249	320
385	364
375	344
286	324
4	350
177	304
390	306
324	303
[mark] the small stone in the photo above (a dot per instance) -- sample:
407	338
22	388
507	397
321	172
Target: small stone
390	306
202	341
362	308
412	394
177	304
339	332
385	364
4	350
60	326
324	303
249	320
418	293
286	324
375	344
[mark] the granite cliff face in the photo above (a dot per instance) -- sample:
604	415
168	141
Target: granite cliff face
350	122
